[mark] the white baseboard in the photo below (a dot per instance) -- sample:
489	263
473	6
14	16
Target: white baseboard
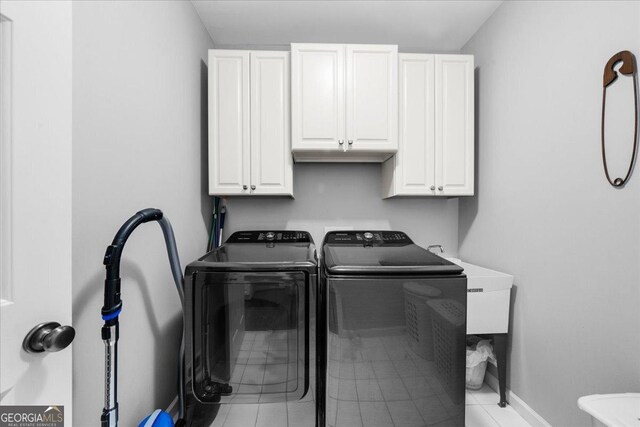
519	405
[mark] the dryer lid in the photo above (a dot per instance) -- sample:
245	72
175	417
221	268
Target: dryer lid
381	252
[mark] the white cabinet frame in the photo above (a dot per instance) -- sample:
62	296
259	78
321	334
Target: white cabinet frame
271	161
249	123
455	125
344	102
436	130
229	132
372	98
317	102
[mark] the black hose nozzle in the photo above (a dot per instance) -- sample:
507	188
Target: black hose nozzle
112	301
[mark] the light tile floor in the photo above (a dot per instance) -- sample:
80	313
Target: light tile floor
481	410
378	383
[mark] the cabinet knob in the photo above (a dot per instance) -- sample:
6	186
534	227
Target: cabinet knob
341	141
440	188
253	187
351	142
433	187
244	187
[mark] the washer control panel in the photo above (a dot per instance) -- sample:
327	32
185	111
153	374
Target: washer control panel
368	237
275	236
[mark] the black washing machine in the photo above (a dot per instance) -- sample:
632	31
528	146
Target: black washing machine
392	325
250	325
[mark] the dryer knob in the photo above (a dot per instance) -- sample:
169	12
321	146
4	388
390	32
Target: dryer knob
368	236
271	236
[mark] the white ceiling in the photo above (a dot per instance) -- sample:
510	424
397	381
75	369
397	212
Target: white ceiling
416	26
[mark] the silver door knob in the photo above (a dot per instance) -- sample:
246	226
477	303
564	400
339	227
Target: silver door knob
440	188
253	187
341	141
351	142
244	187
49	337
433	187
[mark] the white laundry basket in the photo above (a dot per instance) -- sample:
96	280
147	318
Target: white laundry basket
448	336
418	317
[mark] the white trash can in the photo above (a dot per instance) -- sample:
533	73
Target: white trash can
477	357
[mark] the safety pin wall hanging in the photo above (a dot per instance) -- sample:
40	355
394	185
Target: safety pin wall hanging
628	68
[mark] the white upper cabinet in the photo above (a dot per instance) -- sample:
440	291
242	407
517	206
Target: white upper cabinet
249	126
344	102
372	98
271	161
454	125
412	170
317	82
228	122
436	130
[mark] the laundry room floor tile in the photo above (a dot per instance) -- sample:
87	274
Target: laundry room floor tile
372	413
506	416
485	395
477	416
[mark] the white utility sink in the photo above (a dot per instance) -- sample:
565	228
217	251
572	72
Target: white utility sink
488	298
612	410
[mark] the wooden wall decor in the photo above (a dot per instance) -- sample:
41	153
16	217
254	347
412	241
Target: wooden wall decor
628	68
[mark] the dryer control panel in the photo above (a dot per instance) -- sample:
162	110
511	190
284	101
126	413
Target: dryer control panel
376	238
275	236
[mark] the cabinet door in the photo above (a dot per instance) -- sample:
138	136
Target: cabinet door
317	89
372	97
271	162
454	125
228	122
415	160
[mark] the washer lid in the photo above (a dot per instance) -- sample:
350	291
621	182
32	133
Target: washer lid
385	252
263	249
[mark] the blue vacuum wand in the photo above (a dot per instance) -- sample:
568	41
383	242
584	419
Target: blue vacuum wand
113	306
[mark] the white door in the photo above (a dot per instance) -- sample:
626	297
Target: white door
372	97
35	201
415	160
317	97
454	125
229	137
271	161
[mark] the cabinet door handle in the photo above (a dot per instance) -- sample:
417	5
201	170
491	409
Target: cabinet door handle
244	187
433	187
341	141
351	142
253	187
440	188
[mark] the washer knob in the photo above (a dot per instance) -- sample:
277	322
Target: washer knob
271	236
368	236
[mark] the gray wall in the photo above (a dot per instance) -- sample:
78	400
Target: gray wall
335	195
544	211
139	126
